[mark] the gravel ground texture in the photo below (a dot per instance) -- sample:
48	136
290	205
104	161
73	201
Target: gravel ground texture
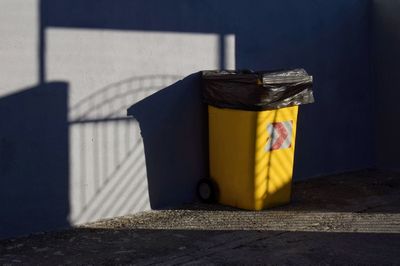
351	218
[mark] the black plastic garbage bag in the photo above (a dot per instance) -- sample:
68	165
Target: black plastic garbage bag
263	90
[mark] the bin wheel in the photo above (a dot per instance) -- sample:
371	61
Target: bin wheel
207	190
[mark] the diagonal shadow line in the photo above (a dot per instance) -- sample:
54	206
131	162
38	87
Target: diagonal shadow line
127	132
144	203
82	161
108	207
105	151
105	204
140	205
281	161
126	172
124	81
116	145
96	155
119	166
141	195
111	176
123	184
132	191
127	84
268	163
120	95
101	120
123	108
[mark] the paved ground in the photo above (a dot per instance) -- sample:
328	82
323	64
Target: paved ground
344	219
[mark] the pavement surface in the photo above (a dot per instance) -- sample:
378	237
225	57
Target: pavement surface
351	218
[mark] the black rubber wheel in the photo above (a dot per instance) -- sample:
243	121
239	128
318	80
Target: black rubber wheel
207	190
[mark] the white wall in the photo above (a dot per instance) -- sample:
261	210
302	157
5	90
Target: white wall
107	173
18	44
107	71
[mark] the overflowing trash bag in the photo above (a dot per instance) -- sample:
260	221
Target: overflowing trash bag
256	91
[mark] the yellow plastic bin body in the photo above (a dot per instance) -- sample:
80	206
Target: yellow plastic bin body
252	155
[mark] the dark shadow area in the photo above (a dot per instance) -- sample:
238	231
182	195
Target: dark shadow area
203	247
385	39
34	162
173	124
329	39
367	192
225	235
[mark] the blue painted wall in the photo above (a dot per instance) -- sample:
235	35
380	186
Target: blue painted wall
330	39
386	62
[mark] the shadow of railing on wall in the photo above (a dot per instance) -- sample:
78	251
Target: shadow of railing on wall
108	169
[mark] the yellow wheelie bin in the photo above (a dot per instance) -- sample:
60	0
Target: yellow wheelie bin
252	130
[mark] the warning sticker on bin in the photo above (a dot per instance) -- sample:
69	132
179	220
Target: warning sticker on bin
280	136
